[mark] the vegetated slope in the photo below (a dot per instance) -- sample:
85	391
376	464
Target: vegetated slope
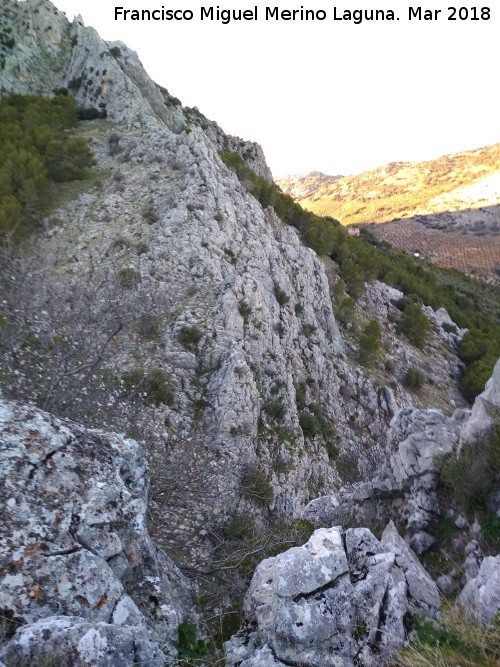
405	189
301	186
457	194
175	300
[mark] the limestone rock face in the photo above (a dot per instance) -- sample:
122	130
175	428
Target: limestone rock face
70	638
480	597
76	559
483	411
406	485
338	600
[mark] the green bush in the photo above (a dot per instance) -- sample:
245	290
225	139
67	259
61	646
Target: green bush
345	310
315	422
276	410
256	487
369	343
190	336
414	379
36	152
150	215
414	325
190	648
245	310
281	296
472	476
154	383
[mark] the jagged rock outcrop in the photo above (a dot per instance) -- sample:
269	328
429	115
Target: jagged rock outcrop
407	484
78	567
480	597
341	599
484	411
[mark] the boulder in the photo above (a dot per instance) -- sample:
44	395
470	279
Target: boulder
340	599
480	597
73	539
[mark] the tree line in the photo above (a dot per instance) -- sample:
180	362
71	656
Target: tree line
37	152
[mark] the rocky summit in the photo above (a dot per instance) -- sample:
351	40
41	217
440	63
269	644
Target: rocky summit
208	412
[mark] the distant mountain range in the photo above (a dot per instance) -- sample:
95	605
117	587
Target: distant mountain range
447	209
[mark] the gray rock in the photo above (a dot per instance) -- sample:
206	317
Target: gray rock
480	597
446	584
421	542
73	539
60	639
340	598
405	486
423	595
484	410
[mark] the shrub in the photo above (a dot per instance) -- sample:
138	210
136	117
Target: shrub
155	383
245	310
345	310
276	410
189	336
414	379
256	487
114	143
36	152
189	648
309	425
472	476
369	343
128	277
414	325
315	422
89	113
281	296
308	330
150	215
449	327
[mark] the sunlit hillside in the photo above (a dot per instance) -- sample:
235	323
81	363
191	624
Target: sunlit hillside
404	189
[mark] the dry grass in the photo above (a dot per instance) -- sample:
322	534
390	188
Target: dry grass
454	642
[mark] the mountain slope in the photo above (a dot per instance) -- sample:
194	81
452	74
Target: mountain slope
163	300
447	209
406	189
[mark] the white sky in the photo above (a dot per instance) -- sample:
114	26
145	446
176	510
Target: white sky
327	95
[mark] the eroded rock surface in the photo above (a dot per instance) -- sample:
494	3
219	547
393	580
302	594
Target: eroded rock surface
76	559
340	599
484	411
406	485
480	597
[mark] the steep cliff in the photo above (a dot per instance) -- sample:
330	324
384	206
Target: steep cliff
162	300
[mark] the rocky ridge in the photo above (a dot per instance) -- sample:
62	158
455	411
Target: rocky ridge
339	600
168	233
218	296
